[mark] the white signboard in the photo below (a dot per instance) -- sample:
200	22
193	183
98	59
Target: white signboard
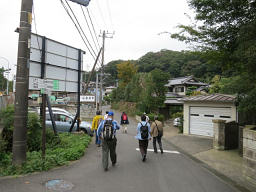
61	65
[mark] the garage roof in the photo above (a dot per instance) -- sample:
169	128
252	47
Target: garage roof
211	98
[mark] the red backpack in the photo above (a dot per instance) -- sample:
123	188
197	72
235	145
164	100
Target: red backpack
124	117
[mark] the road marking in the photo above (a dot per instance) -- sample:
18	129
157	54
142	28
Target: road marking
165	151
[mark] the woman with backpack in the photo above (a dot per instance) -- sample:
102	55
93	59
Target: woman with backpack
143	135
157	133
124	122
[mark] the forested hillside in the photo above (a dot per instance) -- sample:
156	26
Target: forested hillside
175	63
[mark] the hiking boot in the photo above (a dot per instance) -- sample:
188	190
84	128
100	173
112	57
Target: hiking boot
106	169
144	158
162	151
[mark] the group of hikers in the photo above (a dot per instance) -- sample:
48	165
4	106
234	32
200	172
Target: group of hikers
105	130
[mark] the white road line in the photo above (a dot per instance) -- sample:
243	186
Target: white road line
165	151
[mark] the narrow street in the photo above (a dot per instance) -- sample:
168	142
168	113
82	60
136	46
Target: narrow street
171	171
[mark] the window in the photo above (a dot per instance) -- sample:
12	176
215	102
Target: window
48	118
194	114
179	89
223	116
209	115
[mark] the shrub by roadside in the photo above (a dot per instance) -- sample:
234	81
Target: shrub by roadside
59	150
68	147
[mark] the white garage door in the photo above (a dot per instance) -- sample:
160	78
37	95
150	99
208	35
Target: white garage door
201	119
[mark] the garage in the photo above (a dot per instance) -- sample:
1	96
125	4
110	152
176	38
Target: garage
201	119
199	111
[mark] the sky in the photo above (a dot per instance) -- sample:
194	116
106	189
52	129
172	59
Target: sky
136	25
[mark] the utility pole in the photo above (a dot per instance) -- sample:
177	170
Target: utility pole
96	92
21	97
101	69
104	36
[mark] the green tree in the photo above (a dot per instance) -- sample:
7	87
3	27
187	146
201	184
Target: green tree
2	80
125	71
225	33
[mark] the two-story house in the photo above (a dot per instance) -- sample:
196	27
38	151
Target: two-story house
177	89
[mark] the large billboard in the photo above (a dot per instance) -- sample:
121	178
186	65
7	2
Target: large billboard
60	67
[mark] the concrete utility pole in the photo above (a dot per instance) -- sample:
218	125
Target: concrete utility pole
101	69
21	97
96	92
104	35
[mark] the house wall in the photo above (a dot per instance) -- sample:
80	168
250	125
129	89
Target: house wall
187	105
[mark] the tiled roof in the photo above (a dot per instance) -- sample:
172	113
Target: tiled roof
211	98
183	80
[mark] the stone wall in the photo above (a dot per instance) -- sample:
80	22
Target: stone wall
249	154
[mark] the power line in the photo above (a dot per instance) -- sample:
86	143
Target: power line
93	26
110	16
81	28
102	17
89	27
64	6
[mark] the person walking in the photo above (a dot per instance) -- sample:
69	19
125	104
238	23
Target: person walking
157	133
143	135
107	132
106	115
147	118
124	122
95	123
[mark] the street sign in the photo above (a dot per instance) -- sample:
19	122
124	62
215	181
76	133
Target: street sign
46	84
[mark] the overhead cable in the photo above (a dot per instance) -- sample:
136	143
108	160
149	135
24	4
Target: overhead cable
93	27
81	28
89	28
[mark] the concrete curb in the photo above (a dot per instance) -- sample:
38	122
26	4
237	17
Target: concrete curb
226	179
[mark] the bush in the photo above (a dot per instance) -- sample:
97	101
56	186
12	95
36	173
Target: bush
69	147
34	131
7	120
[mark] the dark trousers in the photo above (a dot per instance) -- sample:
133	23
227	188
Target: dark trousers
97	138
108	146
143	145
159	141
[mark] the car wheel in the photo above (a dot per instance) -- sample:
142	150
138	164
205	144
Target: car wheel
84	130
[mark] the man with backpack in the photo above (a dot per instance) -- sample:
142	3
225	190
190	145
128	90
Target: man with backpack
143	135
95	123
107	133
157	133
124	122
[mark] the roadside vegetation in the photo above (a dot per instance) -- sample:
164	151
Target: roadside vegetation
59	150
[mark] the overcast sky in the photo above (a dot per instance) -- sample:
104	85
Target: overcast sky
136	24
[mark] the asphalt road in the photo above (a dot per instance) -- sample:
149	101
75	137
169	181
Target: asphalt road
168	172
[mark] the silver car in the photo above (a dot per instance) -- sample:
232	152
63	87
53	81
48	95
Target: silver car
64	121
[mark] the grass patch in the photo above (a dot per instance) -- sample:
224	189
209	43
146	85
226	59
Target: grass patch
68	147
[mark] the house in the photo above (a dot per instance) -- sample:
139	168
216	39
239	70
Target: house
199	111
109	90
177	89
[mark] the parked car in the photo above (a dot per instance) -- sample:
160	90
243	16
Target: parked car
176	122
56	109
64	121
